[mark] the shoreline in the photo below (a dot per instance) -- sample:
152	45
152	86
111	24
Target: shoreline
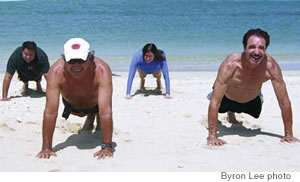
184	64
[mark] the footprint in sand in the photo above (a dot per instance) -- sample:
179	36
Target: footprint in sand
5	126
119	132
212	147
65	127
246	121
187	115
54	170
31	122
204	121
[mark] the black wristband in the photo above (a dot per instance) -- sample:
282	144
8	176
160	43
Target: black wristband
106	145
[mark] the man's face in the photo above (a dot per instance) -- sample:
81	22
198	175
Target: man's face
28	55
256	49
149	56
76	67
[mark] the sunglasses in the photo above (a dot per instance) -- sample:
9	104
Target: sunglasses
78	61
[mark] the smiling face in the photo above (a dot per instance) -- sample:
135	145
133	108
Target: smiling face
149	56
28	55
255	51
77	67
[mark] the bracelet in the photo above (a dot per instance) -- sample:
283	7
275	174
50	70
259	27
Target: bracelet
106	145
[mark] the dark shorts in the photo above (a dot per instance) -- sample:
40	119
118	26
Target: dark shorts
252	107
68	109
23	79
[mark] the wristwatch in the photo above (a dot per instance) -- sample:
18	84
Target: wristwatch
106	145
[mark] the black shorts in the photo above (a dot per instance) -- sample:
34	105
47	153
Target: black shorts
252	107
23	79
68	109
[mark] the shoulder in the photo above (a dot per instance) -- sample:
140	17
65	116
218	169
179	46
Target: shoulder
41	53
40	50
57	68
271	63
17	51
229	66
101	66
138	54
273	68
232	61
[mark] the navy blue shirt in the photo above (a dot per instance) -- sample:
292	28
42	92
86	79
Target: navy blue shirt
28	71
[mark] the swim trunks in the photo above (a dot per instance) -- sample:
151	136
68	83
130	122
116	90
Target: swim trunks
23	79
68	109
252	107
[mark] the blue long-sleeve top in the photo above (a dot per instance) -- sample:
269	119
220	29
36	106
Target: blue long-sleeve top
149	68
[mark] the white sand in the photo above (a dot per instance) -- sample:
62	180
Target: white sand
152	133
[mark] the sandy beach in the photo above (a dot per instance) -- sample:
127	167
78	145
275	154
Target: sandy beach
152	133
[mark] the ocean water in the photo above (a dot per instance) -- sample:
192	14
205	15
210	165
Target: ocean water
195	34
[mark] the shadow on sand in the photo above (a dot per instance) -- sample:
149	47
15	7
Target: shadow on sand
148	92
30	93
239	129
84	140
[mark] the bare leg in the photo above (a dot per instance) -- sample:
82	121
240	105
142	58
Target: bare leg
231	117
89	122
38	86
142	76
98	127
25	88
157	75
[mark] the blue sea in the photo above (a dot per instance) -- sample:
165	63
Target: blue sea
196	35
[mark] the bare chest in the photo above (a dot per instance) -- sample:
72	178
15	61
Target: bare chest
80	94
248	79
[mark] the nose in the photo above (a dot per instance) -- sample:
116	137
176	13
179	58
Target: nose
256	51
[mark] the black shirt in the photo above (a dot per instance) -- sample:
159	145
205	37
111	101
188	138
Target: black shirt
28	71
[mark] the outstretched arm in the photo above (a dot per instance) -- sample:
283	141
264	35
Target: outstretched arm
283	100
5	86
105	111
226	70
50	115
165	72
132	70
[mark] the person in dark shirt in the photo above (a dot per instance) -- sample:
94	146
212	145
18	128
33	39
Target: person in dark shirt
30	62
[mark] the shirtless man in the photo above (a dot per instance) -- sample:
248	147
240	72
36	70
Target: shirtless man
239	82
85	83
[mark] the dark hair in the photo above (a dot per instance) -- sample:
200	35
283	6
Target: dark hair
258	32
29	45
158	54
